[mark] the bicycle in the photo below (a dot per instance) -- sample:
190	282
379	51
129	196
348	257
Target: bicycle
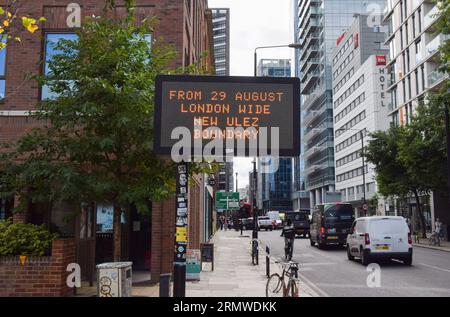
435	239
255	251
276	285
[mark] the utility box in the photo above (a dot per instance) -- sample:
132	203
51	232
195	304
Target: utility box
114	279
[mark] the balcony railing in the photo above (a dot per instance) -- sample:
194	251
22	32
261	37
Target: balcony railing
314	150
311	115
314	168
434	45
308	62
435	77
313	133
431	17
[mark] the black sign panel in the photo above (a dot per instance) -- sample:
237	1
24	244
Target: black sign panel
228	105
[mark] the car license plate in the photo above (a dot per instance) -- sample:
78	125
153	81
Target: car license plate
332	238
383	247
332	230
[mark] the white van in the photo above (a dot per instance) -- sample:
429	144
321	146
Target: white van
276	219
380	237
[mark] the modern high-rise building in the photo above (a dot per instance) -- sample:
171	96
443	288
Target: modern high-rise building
221	34
360	106
275	185
299	196
226	177
413	64
414	58
320	24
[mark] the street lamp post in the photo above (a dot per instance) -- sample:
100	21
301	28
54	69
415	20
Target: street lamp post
236	182
255	71
363	168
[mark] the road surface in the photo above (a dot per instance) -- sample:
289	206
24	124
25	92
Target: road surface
329	273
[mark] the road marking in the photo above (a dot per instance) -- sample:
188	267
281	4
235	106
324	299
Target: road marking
313	286
318	263
383	287
323	254
435	267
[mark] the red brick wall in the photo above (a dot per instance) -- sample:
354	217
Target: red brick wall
182	23
39	276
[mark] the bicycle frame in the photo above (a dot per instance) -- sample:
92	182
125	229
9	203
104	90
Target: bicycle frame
292	276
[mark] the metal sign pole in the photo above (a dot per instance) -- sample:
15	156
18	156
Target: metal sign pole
181	203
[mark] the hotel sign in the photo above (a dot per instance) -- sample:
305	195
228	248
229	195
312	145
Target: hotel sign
229	109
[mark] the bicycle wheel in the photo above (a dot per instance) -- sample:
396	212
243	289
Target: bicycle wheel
274	286
291	289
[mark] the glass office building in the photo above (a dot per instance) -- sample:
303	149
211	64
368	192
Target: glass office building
275	187
319	26
221	34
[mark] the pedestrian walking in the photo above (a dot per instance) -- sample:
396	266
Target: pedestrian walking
438	230
226	223
221	222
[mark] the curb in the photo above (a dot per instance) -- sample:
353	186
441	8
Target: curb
431	247
304	285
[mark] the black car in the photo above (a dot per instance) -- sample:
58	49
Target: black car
247	223
330	224
300	220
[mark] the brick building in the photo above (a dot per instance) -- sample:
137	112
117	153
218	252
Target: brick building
185	24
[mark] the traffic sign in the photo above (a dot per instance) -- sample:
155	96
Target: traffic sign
365	207
227	200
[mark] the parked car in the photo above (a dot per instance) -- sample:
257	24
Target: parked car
264	222
300	221
247	223
373	238
331	224
276	219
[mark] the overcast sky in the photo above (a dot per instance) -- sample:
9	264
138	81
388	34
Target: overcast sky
256	23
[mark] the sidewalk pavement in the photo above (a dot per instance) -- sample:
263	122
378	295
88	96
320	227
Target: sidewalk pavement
234	275
139	290
425	243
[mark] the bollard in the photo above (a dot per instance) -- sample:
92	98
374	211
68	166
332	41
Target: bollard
179	280
267	261
164	285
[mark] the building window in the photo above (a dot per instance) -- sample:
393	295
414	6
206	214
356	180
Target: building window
408	61
419	19
414	25
6	208
401	11
409	87
406	33
401	38
422	69
416	75
404	90
51	40
3	72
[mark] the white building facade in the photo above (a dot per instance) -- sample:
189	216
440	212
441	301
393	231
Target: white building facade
363	111
414	57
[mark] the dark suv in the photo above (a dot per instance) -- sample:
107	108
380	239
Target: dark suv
331	223
300	220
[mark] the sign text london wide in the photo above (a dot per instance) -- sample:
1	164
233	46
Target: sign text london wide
233	110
